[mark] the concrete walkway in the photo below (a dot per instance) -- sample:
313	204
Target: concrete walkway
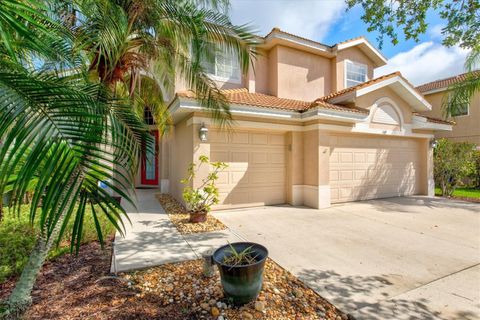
152	240
399	258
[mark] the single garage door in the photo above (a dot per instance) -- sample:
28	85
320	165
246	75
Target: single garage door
257	167
370	167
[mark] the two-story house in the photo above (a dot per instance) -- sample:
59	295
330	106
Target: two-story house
312	127
467	116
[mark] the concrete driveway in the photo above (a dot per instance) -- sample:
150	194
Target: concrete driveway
399	258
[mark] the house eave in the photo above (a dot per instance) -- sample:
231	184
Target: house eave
280	38
422	123
181	107
364	45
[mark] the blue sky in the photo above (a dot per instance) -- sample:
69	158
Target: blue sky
328	22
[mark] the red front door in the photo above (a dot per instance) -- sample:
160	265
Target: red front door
150	161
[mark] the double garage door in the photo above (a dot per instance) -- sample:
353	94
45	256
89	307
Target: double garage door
360	167
369	167
256	174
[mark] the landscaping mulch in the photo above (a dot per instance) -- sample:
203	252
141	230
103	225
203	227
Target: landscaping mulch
181	218
464	199
81	288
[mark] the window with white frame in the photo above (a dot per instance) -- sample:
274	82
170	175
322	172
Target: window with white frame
355	73
224	66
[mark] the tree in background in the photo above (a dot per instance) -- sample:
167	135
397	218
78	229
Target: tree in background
462	28
453	162
72	75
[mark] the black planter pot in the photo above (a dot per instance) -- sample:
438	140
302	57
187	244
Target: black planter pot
241	284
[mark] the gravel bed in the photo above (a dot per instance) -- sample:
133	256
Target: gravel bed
180	217
82	288
183	285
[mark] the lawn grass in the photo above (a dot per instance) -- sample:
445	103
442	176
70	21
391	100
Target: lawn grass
17	238
462	192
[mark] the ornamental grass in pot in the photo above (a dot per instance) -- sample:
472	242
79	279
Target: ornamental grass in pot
241	266
200	200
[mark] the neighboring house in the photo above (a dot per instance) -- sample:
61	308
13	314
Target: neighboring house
312	127
467	119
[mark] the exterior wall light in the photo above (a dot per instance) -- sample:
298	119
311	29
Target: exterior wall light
433	143
203	133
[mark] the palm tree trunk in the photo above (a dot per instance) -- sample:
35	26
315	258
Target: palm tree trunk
21	296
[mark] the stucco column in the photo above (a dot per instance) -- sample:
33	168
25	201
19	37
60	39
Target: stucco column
316	175
200	149
429	171
323	169
165	143
295	168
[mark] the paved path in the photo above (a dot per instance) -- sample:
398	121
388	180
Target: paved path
151	239
399	258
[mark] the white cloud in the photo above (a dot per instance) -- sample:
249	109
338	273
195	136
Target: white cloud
435	32
311	19
427	61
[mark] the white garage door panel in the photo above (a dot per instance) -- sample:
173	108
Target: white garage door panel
368	168
256	174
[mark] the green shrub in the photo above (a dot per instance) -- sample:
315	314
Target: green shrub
202	198
453	162
17	238
476	174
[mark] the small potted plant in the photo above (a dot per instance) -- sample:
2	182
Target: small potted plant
200	200
241	266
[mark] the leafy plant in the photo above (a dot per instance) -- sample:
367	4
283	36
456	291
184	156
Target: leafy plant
453	162
71	76
243	258
389	18
476	174
202	198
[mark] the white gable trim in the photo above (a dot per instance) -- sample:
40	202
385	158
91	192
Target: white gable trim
419	122
379	57
421	105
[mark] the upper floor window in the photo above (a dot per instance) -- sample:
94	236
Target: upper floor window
355	73
224	66
148	116
460	109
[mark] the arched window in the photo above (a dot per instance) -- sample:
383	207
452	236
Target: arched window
386	114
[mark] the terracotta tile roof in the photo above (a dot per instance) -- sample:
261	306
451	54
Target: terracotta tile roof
326	105
243	97
296	36
436	120
350	40
359	86
445	83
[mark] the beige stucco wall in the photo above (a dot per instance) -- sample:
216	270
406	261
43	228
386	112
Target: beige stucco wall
259	73
295	167
181	156
273	72
467	128
301	75
338	64
295	74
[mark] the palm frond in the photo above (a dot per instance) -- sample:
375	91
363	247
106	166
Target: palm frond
461	93
64	137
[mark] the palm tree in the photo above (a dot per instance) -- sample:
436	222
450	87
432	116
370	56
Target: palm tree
70	73
54	130
463	91
140	47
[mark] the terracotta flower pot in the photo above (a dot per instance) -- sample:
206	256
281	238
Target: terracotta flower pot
198	216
